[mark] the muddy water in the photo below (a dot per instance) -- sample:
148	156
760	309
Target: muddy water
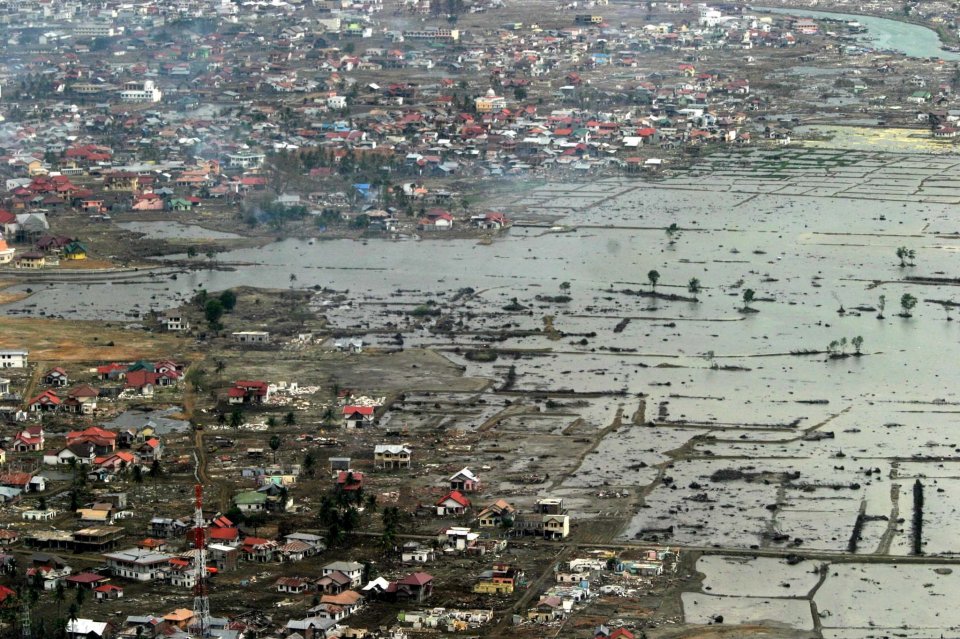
885	34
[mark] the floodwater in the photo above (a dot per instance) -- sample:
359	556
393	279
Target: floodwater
176	230
884	34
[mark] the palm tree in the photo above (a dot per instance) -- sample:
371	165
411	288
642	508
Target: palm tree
881	304
693	286
748	296
857	343
236	418
289	419
654	277
275	442
218	367
271	422
59	595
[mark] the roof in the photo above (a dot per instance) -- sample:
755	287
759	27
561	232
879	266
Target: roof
454	495
344	566
466	474
84	627
416	579
363	410
345	598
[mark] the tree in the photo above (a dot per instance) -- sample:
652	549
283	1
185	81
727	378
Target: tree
80	596
138	475
213	311
275	442
289	419
72	612
236	418
309	465
881	304
228	299
218	367
195	377
155	469
654	277
748	297
857	343
907	302
42	503
693	286
192	251
272	422
520	94
906	255
564	286
59	595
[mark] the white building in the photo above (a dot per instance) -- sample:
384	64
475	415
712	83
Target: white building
244	160
139	564
252	337
134	92
13	359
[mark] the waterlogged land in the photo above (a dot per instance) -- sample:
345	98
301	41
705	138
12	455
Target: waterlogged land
661	414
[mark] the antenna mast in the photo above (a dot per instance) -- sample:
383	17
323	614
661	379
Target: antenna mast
201	598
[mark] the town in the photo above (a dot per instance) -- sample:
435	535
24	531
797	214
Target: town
483	318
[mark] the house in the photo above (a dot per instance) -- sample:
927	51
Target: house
414	553
352	569
258	549
349	481
500	580
292	585
250	501
47	401
248	392
334	583
391	456
104	441
465	481
222	557
490	221
141	381
82	400
56	377
547	610
309	628
138	564
296	550
87	629
13	359
358	416
32	260
107	592
29	440
453	503
150	450
26	482
251	337
74	251
349	600
457	538
83	453
86	580
50	569
494	515
417	587
174	323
